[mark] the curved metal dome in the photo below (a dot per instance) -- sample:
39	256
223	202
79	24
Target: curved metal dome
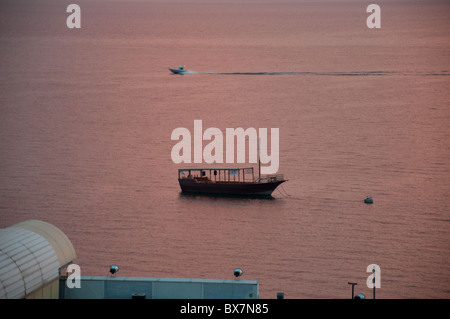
31	255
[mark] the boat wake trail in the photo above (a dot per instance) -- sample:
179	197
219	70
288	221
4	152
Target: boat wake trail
356	73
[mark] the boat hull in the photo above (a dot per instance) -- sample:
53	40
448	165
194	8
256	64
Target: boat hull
177	71
191	186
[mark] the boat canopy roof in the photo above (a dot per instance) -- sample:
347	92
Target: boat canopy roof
213	169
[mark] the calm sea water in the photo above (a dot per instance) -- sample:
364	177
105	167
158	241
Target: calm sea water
86	117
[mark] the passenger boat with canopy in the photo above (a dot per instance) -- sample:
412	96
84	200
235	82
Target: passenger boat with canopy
228	181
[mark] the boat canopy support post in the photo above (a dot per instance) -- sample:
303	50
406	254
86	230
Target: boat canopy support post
221	175
259	160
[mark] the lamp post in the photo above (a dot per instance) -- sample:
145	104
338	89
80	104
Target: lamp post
373	271
353	288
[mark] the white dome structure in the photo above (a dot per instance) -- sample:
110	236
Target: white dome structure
31	256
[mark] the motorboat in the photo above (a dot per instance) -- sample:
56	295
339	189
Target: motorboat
179	70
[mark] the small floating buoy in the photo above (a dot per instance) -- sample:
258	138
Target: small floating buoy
368	200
